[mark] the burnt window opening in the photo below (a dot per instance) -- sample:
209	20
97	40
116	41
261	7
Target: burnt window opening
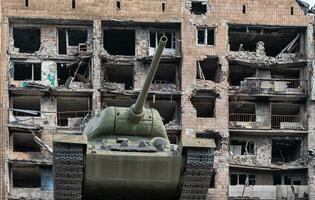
286	116
71	111
26	3
120	74
27	40
198	8
78	72
206	36
118	5
244	9
24	142
167	109
242	112
276	40
163	6
26	106
209	69
242	179
238	73
156	35
166	73
292	11
289	179
204	105
70	39
27	71
285	150
242	147
119	42
73	3
26	177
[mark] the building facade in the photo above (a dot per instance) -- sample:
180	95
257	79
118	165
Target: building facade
240	70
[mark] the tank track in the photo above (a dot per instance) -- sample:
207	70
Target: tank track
197	177
68	171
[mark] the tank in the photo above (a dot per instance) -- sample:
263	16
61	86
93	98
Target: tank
125	153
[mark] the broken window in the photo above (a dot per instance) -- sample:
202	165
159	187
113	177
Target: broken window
289	179
166	73
204	103
242	179
70	39
206	36
119	41
285	150
286	116
24	142
77	71
26	177
209	69
27	40
238	73
242	147
26	106
27	71
242	112
199	7
276	39
167	109
119	74
71	111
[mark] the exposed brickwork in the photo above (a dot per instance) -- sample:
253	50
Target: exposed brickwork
93	14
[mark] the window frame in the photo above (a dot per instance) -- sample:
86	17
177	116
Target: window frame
205	42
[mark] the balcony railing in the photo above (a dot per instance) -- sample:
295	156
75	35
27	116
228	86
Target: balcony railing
274	86
265	192
71	119
265	121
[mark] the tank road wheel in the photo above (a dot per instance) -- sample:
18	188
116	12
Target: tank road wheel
68	171
198	173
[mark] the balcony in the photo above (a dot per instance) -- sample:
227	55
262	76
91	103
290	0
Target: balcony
272	86
268	192
265	121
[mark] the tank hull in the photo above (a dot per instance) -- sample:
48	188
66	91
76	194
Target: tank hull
132	175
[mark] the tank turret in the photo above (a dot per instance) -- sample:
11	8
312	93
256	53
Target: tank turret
133	121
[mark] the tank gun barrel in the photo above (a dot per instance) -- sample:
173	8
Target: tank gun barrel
137	108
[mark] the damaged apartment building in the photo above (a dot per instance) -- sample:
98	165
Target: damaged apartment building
240	72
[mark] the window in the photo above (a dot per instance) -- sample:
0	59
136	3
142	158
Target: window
73	3
119	41
205	36
244	9
118	5
155	38
26	3
198	8
242	147
27	71
208	69
242	179
68	38
163	6
26	39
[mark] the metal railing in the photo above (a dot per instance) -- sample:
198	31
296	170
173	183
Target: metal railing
242	117
294	121
37	118
274	86
268	120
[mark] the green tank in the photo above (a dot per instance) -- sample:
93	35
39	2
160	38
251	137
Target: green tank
125	153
